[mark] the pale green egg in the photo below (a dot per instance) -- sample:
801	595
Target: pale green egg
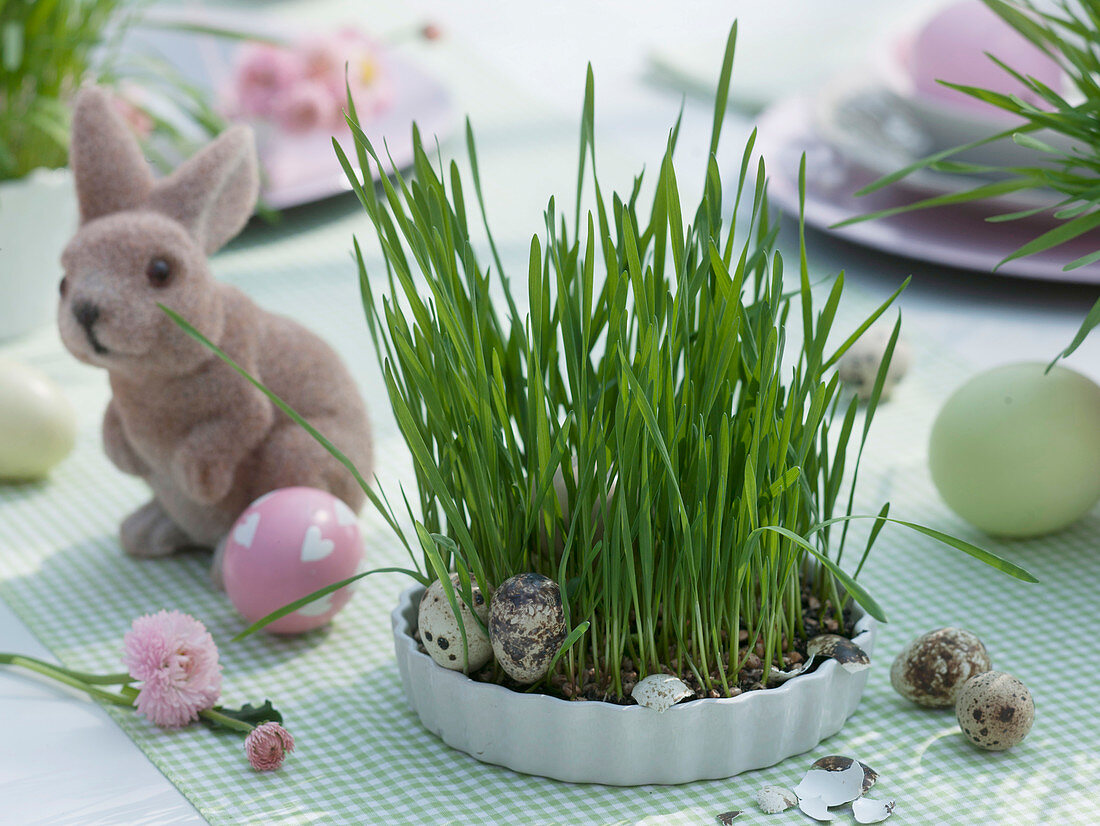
37	424
1016	451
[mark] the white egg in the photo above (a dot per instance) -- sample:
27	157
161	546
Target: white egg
440	633
37	423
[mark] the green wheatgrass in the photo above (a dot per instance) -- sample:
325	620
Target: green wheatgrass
707	481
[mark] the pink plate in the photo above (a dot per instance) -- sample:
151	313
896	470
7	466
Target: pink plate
298	169
956	236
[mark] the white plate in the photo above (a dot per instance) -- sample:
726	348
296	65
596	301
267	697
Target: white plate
957	236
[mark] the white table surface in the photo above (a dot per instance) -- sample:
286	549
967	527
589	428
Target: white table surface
63	760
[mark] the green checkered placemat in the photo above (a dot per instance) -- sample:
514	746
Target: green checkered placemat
362	755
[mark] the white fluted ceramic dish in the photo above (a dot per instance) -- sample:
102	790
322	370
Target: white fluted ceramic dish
592	742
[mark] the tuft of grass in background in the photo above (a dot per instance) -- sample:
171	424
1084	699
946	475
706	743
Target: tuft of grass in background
46	50
49	48
1070	36
633	434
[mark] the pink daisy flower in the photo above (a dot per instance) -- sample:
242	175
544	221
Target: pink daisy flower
176	660
264	74
306	106
267	746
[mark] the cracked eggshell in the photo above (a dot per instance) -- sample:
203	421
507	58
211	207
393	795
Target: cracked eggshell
834	783
775	799
814	807
838	762
850	656
932	668
660	692
859	366
526	625
995	710
867	810
439	631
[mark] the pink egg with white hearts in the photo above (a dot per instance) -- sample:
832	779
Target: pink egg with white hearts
287	544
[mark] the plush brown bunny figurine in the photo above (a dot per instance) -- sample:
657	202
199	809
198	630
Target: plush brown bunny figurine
207	442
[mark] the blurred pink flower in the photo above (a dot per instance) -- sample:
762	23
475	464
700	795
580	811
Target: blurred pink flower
264	75
176	660
303	87
267	746
306	105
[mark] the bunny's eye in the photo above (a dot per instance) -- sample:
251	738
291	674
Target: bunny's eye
158	272
63	287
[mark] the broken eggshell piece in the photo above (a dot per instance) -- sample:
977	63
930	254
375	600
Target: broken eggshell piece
834	786
814	807
775	799
838	762
660	692
867	810
851	657
726	818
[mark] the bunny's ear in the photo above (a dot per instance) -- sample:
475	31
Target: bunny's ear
111	173
213	194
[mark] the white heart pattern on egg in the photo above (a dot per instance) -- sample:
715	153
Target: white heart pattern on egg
314	546
245	532
317	607
344	514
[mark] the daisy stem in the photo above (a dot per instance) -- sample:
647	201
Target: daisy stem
69	678
226	720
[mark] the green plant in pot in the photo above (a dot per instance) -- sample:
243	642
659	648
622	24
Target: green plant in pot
47	50
643	444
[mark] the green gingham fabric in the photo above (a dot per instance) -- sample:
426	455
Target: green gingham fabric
363	757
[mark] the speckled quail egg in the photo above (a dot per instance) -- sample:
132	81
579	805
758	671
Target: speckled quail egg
526	625
858	367
931	669
439	630
995	710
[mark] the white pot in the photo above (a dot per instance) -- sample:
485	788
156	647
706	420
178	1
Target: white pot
38	215
594	742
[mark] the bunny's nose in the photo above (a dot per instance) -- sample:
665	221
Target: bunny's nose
86	314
